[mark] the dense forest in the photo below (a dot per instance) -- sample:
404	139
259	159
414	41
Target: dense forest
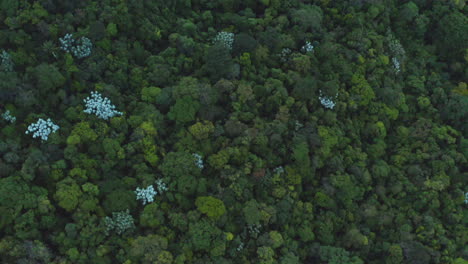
229	131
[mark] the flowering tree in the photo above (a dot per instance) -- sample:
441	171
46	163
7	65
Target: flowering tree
8	117
224	38
99	106
79	48
146	195
42	128
327	101
198	160
6	63
120	222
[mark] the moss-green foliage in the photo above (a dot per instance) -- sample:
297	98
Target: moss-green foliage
150	94
68	194
211	206
81	133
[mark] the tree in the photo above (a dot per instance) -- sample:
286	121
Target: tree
150	94
335	255
48	78
308	17
218	62
68	194
455	112
451	35
120	222
152	216
252	212
204	236
150	249
178	164
184	110
211	206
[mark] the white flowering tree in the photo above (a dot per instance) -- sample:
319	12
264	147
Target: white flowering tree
308	47
79	48
161	186
119	222
397	51
6	63
224	38
42	128
146	195
101	107
8	117
198	160
327	101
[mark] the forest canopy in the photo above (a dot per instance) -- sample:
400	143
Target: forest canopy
227	131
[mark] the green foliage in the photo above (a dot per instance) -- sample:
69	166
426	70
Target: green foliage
111	29
150	94
395	255
211	206
452	35
204	235
202	130
151	216
252	212
12	196
308	18
81	133
48	78
184	110
178	164
218	62
336	255
68	194
150	249
119	200
361	92
266	255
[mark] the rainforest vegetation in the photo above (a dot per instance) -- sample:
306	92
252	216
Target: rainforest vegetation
229	131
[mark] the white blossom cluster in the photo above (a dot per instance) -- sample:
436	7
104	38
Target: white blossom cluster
466	198
254	229
285	53
397	51
326	101
224	38
298	125
396	64
308	47
161	186
278	170
66	42
99	106
42	128
8	117
198	160
396	48
79	48
82	48
6	63
240	247
146	195
119	222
